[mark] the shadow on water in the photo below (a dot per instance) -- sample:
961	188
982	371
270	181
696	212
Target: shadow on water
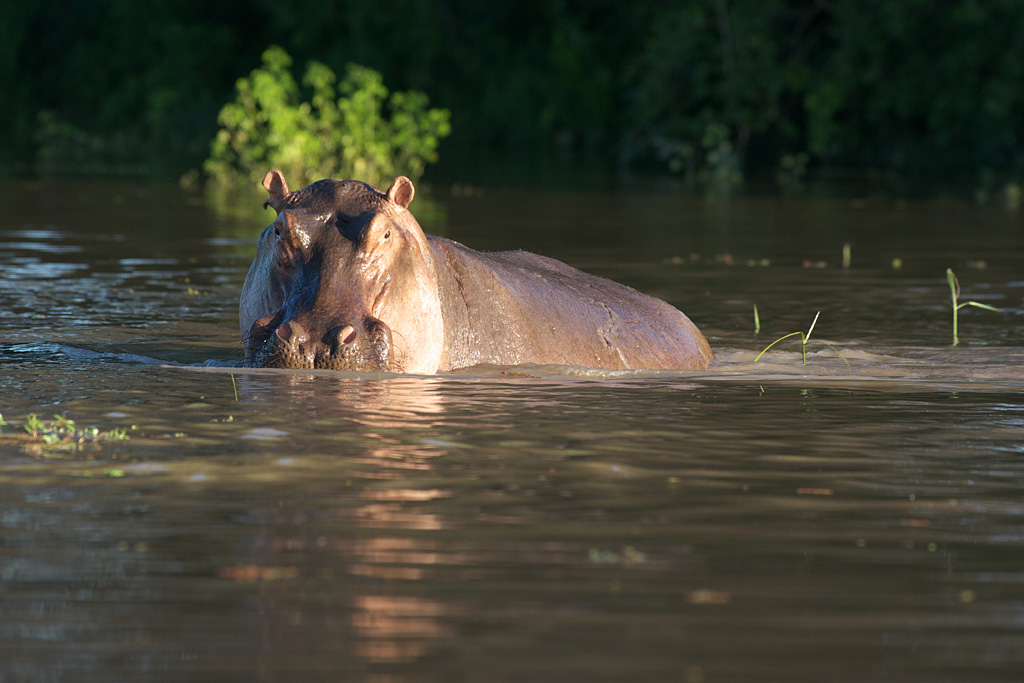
758	521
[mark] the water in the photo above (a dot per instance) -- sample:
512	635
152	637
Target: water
768	521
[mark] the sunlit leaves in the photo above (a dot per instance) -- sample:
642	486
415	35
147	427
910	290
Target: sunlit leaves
354	128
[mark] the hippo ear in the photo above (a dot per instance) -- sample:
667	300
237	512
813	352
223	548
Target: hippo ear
277	186
401	192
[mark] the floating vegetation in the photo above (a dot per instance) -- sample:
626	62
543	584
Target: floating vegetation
59	434
629	556
805	339
954	292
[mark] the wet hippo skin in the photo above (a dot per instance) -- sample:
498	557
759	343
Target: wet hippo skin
346	279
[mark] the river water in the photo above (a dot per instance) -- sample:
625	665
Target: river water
857	517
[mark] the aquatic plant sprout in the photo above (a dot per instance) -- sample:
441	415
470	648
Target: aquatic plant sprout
954	293
805	339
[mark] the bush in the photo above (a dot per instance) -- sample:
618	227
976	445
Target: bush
913	87
341	132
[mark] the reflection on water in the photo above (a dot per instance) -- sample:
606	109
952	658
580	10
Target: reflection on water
760	521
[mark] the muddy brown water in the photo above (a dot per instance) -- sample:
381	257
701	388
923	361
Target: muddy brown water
770	521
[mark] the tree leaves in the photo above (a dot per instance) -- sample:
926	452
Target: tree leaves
352	129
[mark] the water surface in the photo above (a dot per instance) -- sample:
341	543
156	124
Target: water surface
856	518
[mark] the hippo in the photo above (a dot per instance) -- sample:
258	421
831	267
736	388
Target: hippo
345	279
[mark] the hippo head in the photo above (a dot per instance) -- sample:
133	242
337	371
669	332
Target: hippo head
342	280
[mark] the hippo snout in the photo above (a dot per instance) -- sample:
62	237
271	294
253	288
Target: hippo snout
277	342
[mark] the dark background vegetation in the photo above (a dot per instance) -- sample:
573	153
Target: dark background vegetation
912	87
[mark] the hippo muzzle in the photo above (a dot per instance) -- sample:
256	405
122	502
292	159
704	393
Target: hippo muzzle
280	342
322	275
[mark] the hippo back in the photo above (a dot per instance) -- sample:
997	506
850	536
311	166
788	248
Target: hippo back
515	307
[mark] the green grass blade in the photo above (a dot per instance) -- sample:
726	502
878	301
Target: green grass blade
791	334
838	353
954	285
979	305
811	328
954	293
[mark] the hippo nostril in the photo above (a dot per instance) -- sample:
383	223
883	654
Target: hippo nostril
342	335
264	322
289	329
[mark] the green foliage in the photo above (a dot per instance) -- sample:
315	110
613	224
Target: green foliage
341	131
927	84
61	433
33	425
712	77
62	146
59	142
805	339
909	86
954	294
712	89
